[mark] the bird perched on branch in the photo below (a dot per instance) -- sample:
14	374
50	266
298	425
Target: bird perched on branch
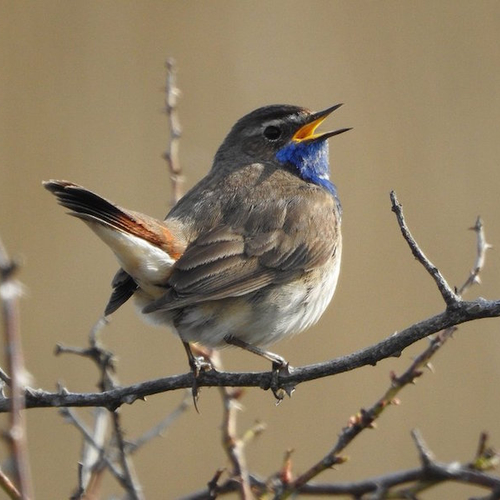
250	255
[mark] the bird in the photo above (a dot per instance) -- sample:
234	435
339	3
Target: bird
248	256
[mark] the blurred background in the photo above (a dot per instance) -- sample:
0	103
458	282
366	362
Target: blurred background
81	99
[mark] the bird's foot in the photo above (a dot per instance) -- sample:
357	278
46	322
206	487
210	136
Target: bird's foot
197	364
281	367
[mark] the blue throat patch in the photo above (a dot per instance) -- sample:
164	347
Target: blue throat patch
311	160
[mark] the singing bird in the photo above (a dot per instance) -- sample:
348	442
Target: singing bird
250	255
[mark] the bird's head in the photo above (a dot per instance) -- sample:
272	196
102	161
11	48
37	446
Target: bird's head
286	134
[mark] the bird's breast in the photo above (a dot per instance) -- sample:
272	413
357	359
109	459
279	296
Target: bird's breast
264	317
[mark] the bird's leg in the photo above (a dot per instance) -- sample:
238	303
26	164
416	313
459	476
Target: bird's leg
197	364
277	361
280	366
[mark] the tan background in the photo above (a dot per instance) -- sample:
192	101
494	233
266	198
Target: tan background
80	93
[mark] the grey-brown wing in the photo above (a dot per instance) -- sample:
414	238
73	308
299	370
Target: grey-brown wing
123	288
231	261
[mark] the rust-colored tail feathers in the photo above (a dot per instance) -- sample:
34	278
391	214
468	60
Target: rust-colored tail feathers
145	247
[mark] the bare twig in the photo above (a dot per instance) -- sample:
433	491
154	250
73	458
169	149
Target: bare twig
9	487
424	452
449	296
72	417
482	247
365	418
391	346
132	485
368	489
4	377
171	155
91	467
232	444
162	426
104	360
10	291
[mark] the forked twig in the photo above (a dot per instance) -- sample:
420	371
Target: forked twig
449	296
366	418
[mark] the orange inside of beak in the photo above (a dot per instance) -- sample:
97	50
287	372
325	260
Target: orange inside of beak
306	132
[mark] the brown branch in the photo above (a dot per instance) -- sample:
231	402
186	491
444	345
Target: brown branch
90	467
232	444
10	291
171	154
365	418
431	471
449	296
482	246
461	312
132	485
9	487
104	361
367	488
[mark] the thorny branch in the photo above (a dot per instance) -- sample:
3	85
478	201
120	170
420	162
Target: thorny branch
431	472
231	442
462	312
114	455
97	455
365	418
456	313
448	294
375	488
132	486
10	291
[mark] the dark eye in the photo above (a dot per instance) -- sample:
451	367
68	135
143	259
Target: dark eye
272	133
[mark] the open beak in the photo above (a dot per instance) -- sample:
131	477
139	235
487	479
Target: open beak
308	131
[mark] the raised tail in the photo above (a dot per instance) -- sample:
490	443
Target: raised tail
93	208
146	248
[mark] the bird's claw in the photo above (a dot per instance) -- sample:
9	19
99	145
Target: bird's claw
279	389
198	364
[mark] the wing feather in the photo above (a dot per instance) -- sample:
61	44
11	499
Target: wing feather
231	261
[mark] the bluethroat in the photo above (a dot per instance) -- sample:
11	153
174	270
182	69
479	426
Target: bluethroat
250	255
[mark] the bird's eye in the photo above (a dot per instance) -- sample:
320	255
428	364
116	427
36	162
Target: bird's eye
272	133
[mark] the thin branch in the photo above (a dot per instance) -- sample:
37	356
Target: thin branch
73	418
91	466
133	487
171	155
9	487
10	291
162	426
482	246
391	346
449	296
104	360
4	377
360	490
232	444
366	418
